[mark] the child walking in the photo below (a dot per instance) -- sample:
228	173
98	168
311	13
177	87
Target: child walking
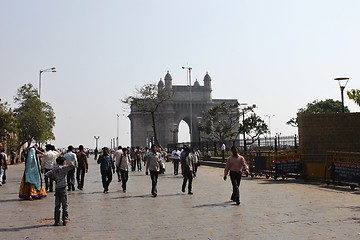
58	173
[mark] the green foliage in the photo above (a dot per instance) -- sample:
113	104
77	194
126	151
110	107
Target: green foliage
35	119
148	99
221	122
7	121
326	106
354	94
253	126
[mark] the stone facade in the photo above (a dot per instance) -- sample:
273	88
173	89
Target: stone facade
171	112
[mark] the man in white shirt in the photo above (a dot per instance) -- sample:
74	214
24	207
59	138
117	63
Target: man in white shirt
117	157
70	157
175	154
223	148
48	162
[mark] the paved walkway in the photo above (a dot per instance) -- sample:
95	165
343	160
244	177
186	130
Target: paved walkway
269	210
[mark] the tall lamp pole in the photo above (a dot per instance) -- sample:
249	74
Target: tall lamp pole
341	81
199	121
53	69
269	116
96	141
117	130
243	121
191	118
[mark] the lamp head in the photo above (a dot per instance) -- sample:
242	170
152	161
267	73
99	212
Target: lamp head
340	79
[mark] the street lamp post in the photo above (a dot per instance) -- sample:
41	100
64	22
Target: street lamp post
269	116
243	121
342	87
53	69
199	120
96	141
191	120
117	130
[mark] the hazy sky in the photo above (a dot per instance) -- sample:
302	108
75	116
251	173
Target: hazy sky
278	54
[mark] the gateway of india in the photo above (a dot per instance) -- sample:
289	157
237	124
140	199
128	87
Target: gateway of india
184	104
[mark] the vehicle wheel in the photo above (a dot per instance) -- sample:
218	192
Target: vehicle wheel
267	176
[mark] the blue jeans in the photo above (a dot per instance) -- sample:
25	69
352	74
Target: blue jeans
71	180
106	178
176	166
188	175
48	181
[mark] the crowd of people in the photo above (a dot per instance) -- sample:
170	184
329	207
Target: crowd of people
70	167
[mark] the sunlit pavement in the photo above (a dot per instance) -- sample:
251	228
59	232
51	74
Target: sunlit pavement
269	209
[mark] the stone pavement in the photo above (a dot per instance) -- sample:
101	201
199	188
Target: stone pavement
269	209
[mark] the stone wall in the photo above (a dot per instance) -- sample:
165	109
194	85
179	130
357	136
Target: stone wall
320	133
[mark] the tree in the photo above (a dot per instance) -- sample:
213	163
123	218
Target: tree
354	94
221	122
7	121
35	119
324	106
148	99
252	125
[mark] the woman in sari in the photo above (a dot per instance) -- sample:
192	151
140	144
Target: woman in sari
31	184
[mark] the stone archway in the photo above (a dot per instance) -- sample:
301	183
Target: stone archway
185	104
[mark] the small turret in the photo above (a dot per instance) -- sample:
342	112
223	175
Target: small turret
160	84
196	83
207	81
168	81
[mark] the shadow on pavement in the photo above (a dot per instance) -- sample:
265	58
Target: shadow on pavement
10	200
17	229
212	205
148	196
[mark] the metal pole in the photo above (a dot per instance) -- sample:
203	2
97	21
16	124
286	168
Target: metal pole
96	141
342	98
245	149
117	131
53	69
191	120
40	84
191	117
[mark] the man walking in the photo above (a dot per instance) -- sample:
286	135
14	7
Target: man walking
70	157
235	164
117	157
3	166
187	165
153	162
82	167
106	165
124	168
48	162
175	154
